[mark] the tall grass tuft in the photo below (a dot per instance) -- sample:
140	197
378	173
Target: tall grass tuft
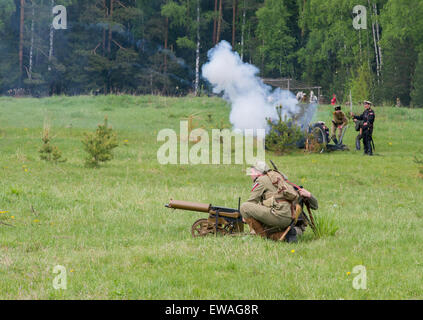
326	226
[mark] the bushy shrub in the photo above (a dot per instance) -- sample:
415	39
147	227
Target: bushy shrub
283	135
99	145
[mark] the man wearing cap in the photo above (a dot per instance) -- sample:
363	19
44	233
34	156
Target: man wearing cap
338	124
368	119
272	205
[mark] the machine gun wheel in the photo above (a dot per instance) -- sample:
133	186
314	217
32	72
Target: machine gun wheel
203	228
317	141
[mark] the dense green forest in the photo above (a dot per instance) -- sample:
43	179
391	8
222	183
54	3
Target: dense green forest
158	47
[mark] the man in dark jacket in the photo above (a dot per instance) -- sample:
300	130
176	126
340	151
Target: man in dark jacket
368	119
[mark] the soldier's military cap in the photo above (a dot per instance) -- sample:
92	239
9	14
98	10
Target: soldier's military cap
260	166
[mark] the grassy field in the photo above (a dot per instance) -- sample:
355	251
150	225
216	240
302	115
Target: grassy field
108	227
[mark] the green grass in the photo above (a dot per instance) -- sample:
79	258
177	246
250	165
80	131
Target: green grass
110	229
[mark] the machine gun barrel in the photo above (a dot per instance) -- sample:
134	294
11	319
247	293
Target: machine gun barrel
189	206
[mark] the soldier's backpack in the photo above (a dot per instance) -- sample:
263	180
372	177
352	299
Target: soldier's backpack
284	190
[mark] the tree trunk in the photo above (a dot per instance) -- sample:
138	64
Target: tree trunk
51	50
375	44
234	12
219	23
243	31
215	22
166	43
197	58
104	29
378	37
31	51
21	38
109	46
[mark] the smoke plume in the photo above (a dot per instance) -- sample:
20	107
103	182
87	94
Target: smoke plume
251	100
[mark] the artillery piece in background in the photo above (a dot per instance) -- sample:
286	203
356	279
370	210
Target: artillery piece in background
318	139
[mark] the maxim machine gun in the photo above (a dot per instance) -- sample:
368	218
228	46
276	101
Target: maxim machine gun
221	221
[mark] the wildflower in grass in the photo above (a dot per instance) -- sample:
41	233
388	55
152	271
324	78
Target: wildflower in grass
390	143
72	270
1	212
26	170
348	273
292	251
12	217
36	221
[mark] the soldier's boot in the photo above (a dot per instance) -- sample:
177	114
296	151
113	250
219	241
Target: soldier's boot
370	148
275	236
256	226
365	148
291	237
335	140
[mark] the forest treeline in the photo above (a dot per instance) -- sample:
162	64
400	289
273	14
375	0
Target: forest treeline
158	47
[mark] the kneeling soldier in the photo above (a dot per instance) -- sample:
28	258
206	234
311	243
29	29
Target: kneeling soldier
274	204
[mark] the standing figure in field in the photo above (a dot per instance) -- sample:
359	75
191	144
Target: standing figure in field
300	96
359	129
313	97
339	122
274	204
334	100
304	100
368	119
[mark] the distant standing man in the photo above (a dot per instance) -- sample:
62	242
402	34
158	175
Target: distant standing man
368	119
339	122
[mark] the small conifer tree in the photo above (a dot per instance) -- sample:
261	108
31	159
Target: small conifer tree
48	152
283	135
100	144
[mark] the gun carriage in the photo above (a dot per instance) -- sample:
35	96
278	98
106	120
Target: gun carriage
220	221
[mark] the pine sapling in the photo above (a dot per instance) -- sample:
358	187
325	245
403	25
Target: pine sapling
99	145
49	152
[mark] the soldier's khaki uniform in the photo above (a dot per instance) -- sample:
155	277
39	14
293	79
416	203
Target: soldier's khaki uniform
339	119
272	201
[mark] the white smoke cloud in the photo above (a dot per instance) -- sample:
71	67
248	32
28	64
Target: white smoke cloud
252	101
